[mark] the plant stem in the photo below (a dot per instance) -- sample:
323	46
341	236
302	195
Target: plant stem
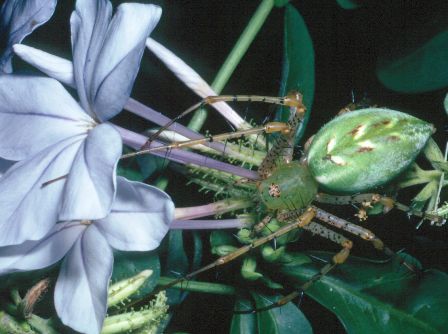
211	209
43	326
195	286
234	58
10	325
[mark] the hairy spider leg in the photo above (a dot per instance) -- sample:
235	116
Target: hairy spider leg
290	100
283	147
338	258
268	128
371	198
301	221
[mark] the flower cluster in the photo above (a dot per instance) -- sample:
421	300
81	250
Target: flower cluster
61	198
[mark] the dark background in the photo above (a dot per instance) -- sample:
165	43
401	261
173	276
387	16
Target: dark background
347	46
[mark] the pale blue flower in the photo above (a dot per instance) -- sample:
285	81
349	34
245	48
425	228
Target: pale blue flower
18	19
138	221
67	158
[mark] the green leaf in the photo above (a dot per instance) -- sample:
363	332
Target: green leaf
248	269
280	320
243	323
222	238
378	297
130	173
423	69
445	103
298	65
280	3
149	164
349	4
128	264
176	264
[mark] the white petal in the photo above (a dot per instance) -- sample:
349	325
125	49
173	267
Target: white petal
55	67
118	63
80	295
89	22
42	253
29	209
18	19
90	187
193	81
140	217
36	113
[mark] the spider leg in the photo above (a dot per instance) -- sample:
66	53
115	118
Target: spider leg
288	100
258	227
303	220
337	259
283	147
363	233
371	198
268	128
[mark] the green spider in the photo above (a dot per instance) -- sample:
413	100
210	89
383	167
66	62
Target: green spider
354	154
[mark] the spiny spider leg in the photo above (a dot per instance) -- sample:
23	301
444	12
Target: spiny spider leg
290	100
372	198
354	229
258	227
284	146
337	259
271	127
303	220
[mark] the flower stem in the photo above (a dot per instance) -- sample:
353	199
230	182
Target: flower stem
234	58
9	324
211	209
195	286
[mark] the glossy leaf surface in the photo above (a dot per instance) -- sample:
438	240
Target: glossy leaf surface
127	264
423	69
298	64
375	297
287	319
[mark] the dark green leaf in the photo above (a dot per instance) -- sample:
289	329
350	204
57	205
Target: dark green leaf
176	264
423	69
222	238
149	164
130	173
197	255
280	3
127	264
298	64
284	320
379	297
349	4
445	103
243	323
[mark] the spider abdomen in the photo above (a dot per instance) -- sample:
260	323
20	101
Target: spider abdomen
365	149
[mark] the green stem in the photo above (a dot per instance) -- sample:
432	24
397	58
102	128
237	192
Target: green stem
10	325
43	326
161	182
195	286
423	176
15	296
234	58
